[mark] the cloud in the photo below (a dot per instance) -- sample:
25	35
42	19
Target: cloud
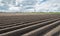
30	5
14	8
50	6
1	4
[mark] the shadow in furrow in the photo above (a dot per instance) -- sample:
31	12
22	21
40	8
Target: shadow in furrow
22	26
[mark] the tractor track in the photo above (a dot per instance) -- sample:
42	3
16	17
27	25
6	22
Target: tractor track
45	27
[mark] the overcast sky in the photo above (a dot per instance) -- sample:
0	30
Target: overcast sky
30	5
